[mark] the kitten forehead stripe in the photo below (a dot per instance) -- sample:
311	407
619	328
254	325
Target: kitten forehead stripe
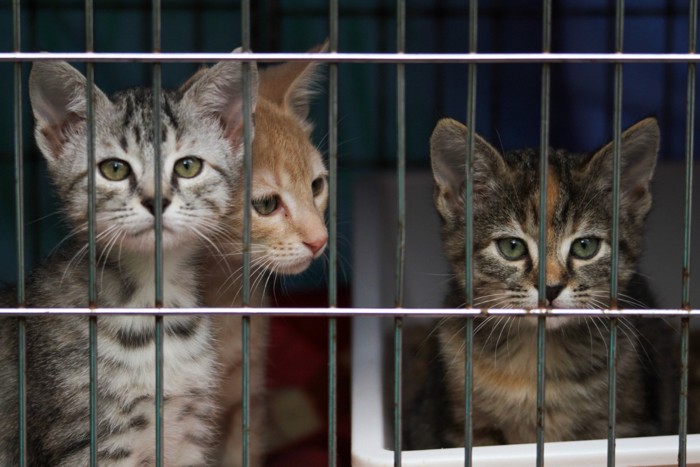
553	190
80	177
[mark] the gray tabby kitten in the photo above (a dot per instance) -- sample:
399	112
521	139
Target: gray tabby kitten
201	163
506	222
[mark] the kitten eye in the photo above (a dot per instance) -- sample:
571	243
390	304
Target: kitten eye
585	248
512	249
265	206
115	170
317	186
188	167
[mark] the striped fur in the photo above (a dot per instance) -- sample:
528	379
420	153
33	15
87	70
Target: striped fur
506	206
204	122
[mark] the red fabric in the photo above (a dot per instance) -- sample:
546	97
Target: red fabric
298	360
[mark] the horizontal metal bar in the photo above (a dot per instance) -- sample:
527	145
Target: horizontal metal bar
387	312
337	57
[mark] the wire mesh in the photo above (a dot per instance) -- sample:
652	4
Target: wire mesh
400	59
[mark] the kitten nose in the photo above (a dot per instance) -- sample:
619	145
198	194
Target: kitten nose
552	292
317	245
149	202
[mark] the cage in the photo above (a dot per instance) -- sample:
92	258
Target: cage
563	74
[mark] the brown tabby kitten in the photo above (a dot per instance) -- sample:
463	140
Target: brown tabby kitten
289	197
506	222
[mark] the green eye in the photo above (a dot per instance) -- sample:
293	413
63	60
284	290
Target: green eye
188	167
512	249
265	206
585	248
115	170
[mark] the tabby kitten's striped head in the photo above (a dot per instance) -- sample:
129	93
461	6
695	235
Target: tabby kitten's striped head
201	153
506	191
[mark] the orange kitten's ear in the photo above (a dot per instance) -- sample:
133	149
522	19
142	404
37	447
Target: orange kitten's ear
292	85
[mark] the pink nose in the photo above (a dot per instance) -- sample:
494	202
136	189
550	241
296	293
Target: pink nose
317	244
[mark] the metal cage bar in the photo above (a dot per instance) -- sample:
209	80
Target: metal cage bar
248	177
19	232
333	23
355	57
158	214
92	229
401	227
469	234
542	234
687	225
615	240
338	312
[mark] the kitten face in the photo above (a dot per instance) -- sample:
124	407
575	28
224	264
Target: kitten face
201	154
289	184
289	197
578	217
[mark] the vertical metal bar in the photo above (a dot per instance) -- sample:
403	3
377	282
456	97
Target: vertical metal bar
19	234
617	128
332	228
542	240
689	143
247	153
92	285
158	208
248	174
401	150
398	375
683	394
469	235
401	235
401	228
687	222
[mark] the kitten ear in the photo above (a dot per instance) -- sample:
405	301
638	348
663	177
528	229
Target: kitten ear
639	146
448	154
218	92
292	85
57	93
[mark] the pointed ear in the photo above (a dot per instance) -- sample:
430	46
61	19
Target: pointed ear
217	92
448	154
59	103
193	79
639	146
292	85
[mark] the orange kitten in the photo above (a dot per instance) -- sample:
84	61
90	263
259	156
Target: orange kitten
289	197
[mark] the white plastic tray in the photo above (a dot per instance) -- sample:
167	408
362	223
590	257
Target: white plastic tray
370	428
